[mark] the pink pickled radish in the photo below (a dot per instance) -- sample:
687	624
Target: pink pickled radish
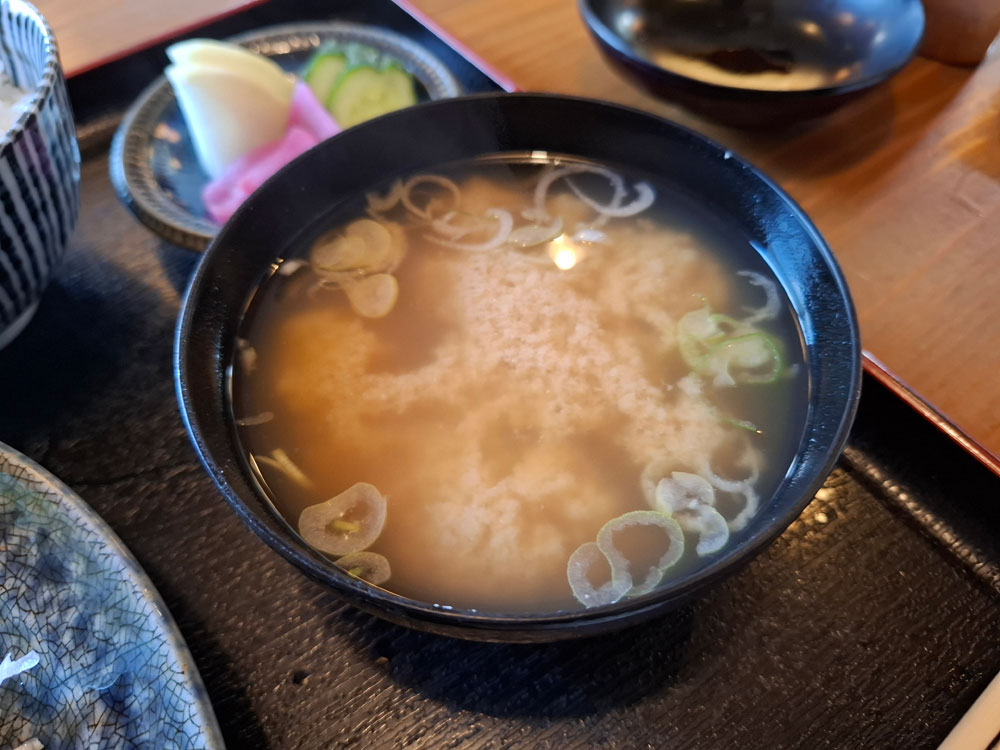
308	124
308	113
223	195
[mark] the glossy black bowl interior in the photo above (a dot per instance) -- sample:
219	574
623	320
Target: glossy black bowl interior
714	55
423	137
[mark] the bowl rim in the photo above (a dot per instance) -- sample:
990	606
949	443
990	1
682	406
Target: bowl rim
614	43
50	74
497	626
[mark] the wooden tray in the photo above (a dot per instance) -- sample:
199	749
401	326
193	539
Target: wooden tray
870	623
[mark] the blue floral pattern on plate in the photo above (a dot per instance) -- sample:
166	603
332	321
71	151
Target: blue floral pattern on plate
114	670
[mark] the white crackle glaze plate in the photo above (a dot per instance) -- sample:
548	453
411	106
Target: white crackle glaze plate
114	670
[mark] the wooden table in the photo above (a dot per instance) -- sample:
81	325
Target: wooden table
904	183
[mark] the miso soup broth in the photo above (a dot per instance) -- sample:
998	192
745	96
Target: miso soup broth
520	386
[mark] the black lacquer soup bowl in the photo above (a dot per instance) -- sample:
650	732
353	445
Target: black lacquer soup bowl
418	140
756	63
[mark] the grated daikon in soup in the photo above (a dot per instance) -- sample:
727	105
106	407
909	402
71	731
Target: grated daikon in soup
513	386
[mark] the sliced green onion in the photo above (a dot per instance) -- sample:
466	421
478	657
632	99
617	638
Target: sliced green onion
699	330
619	560
280	461
457	225
263	418
652	473
698	324
423	212
579	569
752	358
381	203
729	326
742	424
751	501
342	253
290	266
536	234
504	223
690	499
347	523
727	350
365	246
385	243
772	305
373	296
747	458
247	355
368	566
683	491
644	197
710	526
692	331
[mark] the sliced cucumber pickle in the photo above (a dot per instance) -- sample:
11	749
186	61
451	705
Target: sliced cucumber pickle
323	73
364	92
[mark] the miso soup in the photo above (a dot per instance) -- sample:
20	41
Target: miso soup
519	385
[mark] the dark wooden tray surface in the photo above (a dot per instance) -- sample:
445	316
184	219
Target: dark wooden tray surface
871	623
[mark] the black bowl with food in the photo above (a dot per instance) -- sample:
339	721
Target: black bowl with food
518	367
761	62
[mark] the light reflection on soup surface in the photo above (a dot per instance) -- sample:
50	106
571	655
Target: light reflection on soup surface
523	363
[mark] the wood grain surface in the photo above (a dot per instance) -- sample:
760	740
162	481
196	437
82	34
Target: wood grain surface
90	32
903	182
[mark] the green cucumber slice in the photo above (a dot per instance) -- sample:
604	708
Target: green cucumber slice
364	92
323	72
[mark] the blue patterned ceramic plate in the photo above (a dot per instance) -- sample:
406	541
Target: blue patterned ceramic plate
114	671
153	165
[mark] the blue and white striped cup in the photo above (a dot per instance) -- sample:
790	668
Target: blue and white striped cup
39	167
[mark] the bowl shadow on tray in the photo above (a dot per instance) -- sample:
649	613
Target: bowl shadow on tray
176	263
573	678
93	338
